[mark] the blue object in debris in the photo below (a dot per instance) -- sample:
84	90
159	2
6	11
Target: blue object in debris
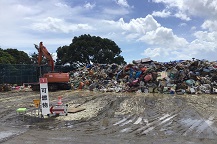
172	92
89	66
197	73
190	82
131	72
206	70
138	73
118	74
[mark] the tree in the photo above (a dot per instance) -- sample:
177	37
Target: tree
86	49
6	58
34	58
20	56
61	55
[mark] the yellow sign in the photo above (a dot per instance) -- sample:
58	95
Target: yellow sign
36	102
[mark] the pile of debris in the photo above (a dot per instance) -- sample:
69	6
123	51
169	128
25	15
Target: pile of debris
5	87
14	87
147	76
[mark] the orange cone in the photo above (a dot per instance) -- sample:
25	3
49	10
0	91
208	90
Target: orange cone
59	100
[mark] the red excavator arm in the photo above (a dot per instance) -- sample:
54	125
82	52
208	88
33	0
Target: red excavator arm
56	80
42	51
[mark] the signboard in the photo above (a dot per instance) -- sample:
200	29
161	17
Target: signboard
44	96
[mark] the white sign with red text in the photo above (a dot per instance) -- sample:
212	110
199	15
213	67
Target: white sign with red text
44	96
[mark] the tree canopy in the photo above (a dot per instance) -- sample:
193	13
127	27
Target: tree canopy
13	56
86	49
20	56
6	58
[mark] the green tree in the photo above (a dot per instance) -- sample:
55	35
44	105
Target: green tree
6	58
61	55
19	56
86	49
34	58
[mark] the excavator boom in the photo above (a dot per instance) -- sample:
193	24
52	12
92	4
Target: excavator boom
56	80
42	51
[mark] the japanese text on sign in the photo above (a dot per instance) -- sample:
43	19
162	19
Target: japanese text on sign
44	96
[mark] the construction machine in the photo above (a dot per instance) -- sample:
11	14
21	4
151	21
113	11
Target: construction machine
56	80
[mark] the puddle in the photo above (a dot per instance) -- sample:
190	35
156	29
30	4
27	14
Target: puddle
6	134
199	126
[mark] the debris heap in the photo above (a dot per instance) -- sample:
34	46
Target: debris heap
147	76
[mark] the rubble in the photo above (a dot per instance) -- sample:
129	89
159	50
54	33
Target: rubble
147	76
14	88
5	87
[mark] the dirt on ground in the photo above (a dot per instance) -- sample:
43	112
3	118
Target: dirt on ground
110	118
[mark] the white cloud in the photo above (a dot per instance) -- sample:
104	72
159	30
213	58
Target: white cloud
139	25
61	5
164	37
165	44
162	14
171	3
187	8
165	55
206	36
132	36
182	16
153	52
58	25
123	3
204	46
166	13
207	8
89	6
149	31
211	25
193	28
182	24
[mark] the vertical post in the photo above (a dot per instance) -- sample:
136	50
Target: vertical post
44	96
40	71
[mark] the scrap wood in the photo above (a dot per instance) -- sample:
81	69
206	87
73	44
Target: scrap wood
75	110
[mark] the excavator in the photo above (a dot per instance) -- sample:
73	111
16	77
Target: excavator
56	80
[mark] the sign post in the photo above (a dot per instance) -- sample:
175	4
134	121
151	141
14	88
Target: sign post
44	96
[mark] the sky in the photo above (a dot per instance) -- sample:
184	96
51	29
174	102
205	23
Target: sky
163	30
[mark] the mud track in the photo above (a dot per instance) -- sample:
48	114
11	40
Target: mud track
112	118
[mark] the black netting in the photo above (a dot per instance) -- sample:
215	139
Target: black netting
19	74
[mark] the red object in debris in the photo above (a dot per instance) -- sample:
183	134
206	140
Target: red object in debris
135	81
128	66
59	100
143	69
81	85
148	77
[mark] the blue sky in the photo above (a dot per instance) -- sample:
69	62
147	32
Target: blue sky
164	30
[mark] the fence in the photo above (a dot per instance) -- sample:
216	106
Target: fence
23	73
18	74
